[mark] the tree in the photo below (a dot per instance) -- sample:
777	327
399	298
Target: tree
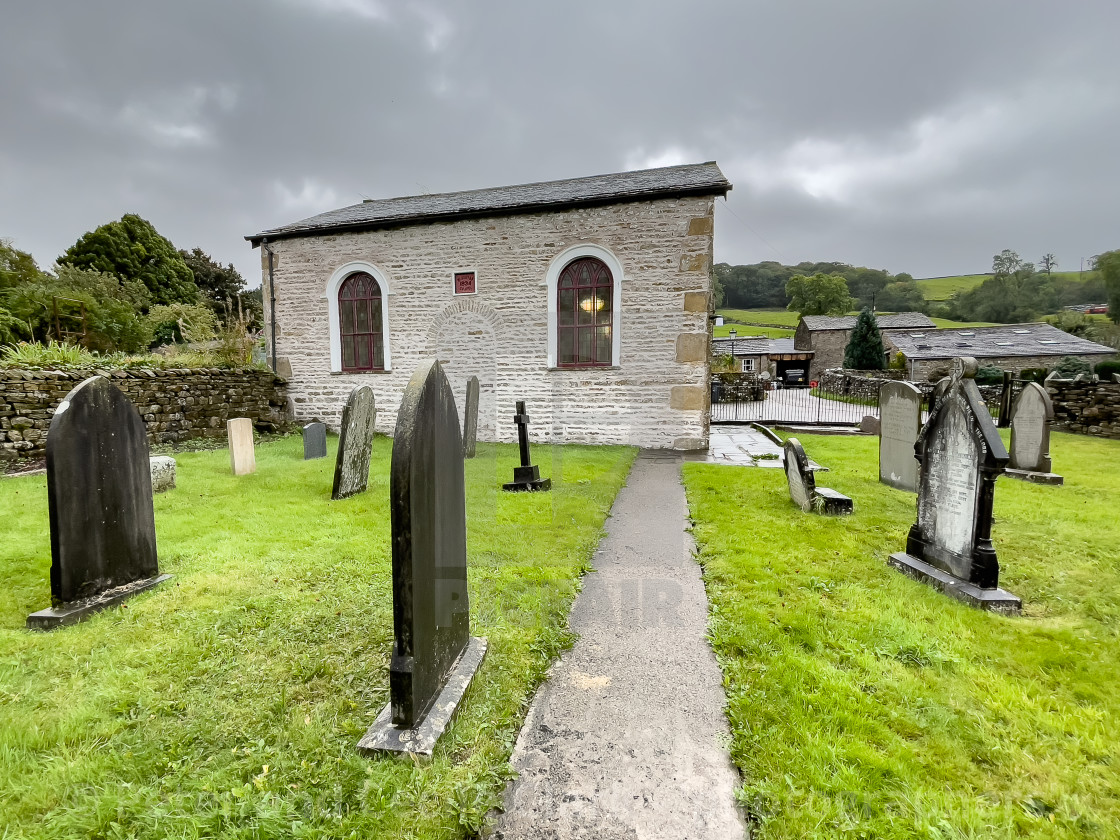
821	294
16	266
902	297
216	283
1048	262
133	250
1006	263
865	346
1108	266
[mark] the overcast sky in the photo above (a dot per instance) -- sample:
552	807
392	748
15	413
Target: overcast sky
912	136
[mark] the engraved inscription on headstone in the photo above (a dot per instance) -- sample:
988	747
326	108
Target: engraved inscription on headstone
961	455
99	495
355	444
470	418
434	656
803	490
1030	436
527	476
900	421
314	441
242	458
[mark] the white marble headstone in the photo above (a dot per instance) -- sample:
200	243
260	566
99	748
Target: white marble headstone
900	421
1030	430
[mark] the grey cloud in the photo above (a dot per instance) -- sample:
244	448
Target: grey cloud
920	137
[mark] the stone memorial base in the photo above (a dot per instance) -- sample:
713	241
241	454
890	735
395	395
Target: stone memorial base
77	611
1052	479
994	600
528	478
383	737
833	503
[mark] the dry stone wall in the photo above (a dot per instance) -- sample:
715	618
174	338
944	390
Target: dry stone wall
1086	407
176	404
656	396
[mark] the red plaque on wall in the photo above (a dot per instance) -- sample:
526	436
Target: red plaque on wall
465	283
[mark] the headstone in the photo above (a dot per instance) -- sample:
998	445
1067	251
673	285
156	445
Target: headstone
434	657
99	495
355	444
1030	437
900	421
870	425
803	488
470	418
163	473
314	441
526	476
242	457
961	456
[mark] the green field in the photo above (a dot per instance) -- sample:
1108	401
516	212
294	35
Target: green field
754	317
771	317
745	330
864	704
943	288
228	702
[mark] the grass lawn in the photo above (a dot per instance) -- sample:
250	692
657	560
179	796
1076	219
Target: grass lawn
750	330
228	702
943	288
772	317
865	704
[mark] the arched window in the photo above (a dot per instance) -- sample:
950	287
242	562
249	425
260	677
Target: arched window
360	326
584	314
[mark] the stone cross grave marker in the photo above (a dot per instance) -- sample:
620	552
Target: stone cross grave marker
1030	437
527	476
242	457
803	488
355	444
470	418
314	441
900	421
434	656
961	456
99	496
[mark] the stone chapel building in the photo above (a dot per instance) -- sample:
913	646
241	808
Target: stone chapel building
588	298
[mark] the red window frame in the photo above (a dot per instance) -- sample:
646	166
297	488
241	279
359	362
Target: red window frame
360	324
584	314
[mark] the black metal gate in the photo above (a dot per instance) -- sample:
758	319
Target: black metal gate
749	399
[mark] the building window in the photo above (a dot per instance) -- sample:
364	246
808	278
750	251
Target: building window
584	314
748	365
360	324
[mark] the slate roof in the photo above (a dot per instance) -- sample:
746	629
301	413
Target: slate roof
990	342
897	321
642	185
756	346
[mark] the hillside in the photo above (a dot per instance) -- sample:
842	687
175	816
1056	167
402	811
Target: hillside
943	288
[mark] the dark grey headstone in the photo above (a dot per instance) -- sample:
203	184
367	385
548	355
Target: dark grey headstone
900	421
431	609
314	441
355	444
803	488
470	418
99	492
1030	437
961	455
527	476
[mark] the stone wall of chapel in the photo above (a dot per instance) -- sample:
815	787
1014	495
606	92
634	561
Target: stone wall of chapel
657	396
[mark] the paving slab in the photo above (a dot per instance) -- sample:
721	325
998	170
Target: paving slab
628	737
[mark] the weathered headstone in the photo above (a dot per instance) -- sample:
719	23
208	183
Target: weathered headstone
163	473
900	421
803	488
434	656
314	441
870	425
1030	437
526	476
961	456
99	494
470	418
242	457
355	444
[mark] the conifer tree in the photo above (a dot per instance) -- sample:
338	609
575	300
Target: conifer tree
865	347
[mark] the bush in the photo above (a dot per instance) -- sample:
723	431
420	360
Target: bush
988	375
1072	366
181	323
898	362
1033	374
1107	368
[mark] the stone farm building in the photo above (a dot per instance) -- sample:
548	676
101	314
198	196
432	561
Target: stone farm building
1010	347
827	336
587	298
759	354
